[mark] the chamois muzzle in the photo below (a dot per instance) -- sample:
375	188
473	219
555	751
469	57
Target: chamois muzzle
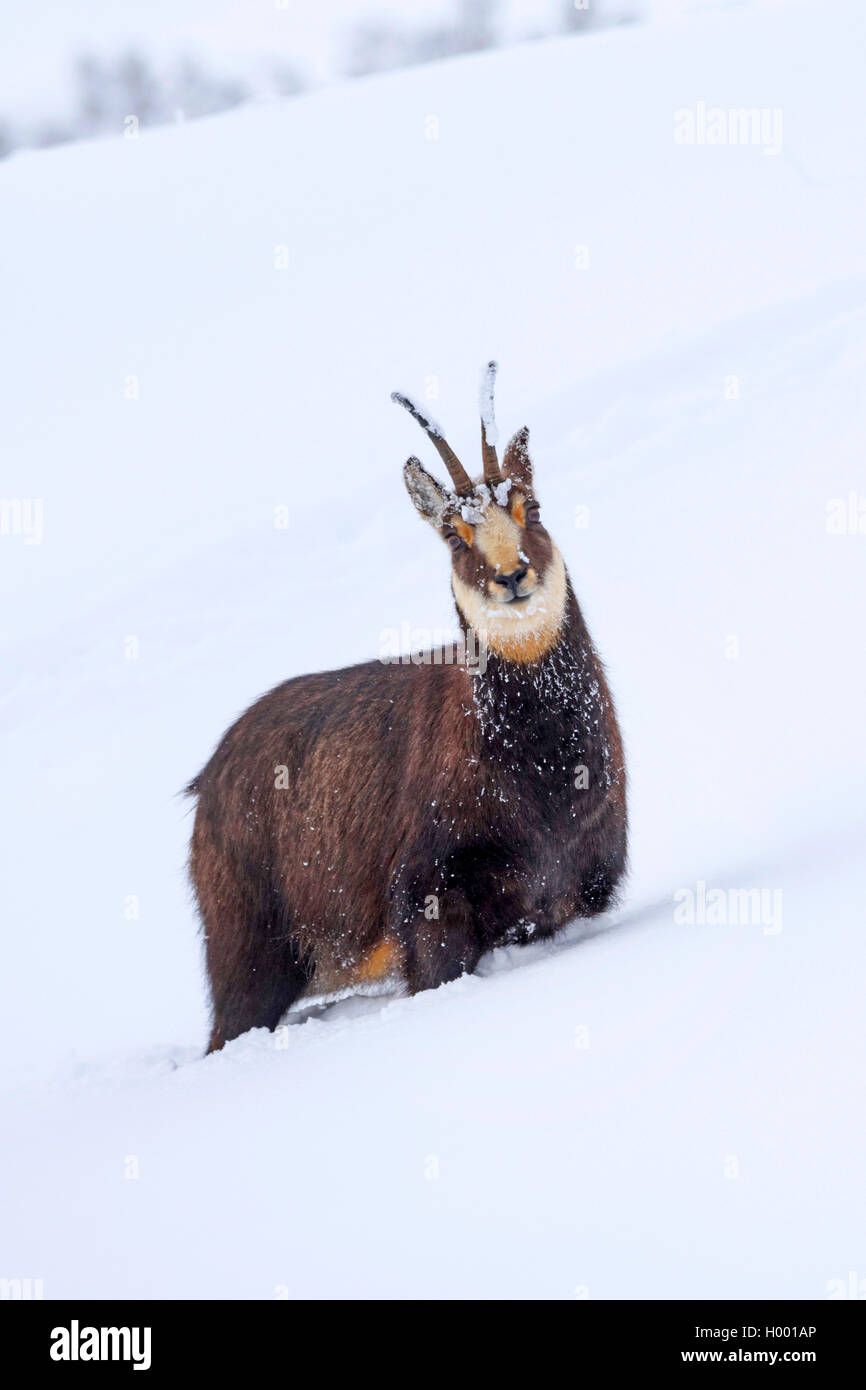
512	582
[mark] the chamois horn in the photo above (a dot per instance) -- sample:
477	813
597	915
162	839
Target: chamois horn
492	475
460	478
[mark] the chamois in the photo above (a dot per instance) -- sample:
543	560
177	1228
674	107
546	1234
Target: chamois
397	820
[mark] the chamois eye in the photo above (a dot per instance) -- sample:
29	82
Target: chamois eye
455	541
533	515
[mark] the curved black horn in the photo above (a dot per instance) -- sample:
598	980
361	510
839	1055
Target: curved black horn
460	478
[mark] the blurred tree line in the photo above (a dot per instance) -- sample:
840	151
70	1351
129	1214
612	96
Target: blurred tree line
110	90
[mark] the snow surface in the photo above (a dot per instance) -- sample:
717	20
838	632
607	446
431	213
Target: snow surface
647	1108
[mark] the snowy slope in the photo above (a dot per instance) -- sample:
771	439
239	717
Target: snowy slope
660	1109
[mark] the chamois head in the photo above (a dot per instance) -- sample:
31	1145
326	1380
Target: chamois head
507	576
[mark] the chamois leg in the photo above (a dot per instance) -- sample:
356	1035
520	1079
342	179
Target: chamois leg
253	989
253	963
603	870
443	925
440	950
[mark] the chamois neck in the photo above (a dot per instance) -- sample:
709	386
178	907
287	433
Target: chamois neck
551	705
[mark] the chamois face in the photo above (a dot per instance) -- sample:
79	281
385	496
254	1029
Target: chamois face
507	576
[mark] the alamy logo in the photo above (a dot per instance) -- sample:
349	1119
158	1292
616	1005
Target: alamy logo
729	907
16	1290
852	1287
758	126
421	646
76	1343
22	516
846	516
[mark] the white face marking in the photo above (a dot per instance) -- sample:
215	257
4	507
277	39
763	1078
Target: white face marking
498	540
519	632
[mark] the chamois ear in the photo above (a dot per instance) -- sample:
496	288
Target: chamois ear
429	498
517	465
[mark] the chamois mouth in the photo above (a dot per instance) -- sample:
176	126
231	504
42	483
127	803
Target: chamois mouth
502	605
522	596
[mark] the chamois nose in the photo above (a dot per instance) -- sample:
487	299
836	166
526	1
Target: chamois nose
511	581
